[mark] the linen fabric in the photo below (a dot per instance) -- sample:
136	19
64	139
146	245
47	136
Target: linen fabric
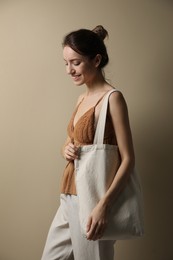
65	241
95	171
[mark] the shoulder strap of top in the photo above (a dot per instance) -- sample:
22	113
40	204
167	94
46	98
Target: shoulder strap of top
77	106
95	104
100	99
80	101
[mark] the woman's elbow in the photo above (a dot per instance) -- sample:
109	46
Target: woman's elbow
129	162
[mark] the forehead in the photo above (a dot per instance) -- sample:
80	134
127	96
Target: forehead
70	54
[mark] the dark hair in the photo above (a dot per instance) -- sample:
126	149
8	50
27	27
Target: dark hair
89	43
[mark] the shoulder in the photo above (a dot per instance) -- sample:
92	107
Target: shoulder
117	105
117	99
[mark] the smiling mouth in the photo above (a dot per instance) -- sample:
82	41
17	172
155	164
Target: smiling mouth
75	77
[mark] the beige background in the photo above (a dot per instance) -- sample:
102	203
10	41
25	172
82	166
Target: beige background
37	99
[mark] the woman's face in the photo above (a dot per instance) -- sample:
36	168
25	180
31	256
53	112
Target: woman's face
80	68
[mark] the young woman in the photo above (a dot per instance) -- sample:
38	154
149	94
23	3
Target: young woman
85	56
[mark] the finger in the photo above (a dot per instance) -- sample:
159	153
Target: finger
96	233
99	231
71	151
89	224
72	146
70	156
91	232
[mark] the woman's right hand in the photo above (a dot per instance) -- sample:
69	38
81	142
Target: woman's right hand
70	152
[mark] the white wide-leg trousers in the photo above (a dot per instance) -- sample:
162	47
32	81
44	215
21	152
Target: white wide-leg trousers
65	241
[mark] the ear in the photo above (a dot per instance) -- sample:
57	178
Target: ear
97	60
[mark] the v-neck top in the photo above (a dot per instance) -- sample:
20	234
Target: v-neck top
82	133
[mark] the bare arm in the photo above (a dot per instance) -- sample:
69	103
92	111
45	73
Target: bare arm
120	119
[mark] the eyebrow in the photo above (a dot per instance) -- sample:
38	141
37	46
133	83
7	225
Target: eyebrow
73	59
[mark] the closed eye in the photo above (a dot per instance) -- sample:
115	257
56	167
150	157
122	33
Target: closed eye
76	62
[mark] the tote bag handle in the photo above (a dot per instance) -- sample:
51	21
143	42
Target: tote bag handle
100	129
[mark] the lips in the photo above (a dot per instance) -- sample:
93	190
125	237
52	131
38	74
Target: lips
75	77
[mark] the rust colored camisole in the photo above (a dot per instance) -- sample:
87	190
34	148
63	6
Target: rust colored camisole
83	134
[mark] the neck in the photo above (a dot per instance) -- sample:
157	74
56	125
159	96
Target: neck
98	84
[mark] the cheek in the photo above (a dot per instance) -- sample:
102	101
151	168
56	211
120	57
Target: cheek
88	69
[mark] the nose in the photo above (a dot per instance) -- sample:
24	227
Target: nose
70	69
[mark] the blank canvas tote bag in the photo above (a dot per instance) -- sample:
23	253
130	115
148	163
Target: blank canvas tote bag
95	170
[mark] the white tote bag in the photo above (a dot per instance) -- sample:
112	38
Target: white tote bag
95	170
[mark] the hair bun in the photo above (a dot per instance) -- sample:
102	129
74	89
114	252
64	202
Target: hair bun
100	31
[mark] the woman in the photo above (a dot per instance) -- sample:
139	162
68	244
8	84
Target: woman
85	57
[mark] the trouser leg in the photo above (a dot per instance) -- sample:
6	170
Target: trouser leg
58	244
84	249
65	241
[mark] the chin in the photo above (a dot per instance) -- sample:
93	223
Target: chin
79	83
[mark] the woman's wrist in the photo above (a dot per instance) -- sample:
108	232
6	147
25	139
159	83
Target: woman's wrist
106	203
108	200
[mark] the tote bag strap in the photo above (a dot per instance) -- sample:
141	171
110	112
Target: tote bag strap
100	129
